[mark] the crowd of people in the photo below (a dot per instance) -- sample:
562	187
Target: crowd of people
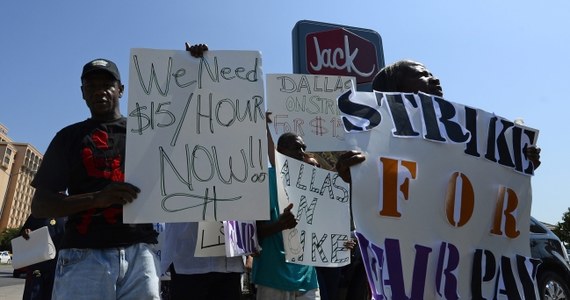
100	257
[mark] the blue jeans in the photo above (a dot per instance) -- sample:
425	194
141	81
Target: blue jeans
111	273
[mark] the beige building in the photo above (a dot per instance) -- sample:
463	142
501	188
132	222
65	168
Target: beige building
18	165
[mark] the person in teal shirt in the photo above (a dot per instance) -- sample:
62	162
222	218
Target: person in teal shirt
274	277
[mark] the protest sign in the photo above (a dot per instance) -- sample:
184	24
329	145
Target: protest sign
321	205
211	239
442	202
306	105
241	238
196	138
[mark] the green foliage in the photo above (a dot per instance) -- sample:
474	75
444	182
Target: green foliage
6	236
562	230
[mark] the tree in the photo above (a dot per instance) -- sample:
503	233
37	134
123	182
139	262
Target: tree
562	230
6	237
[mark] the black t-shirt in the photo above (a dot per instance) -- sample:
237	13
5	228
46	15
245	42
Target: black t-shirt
84	158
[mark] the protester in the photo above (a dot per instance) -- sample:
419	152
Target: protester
101	258
274	277
217	277
40	276
406	76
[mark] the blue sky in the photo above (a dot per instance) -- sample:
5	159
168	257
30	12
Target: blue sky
507	57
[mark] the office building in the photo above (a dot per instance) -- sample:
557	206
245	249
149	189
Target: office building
19	163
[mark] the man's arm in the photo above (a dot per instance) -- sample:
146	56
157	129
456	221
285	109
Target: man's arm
46	204
347	160
286	220
27	227
270	144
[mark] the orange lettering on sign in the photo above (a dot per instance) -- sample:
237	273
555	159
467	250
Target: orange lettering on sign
466	200
393	170
510	224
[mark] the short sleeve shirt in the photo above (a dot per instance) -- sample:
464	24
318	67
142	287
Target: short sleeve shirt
269	267
83	158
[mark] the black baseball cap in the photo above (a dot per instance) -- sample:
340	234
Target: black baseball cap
101	64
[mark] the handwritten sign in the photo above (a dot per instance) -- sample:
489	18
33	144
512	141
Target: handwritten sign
442	201
241	238
321	205
306	105
196	139
211	239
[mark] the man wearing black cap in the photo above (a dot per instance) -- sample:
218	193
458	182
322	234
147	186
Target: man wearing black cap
101	258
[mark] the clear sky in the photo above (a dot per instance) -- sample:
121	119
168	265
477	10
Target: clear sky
508	57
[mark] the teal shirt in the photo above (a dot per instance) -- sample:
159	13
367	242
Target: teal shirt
270	268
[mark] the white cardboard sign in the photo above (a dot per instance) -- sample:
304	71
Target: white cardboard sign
211	239
306	105
196	137
442	202
321	205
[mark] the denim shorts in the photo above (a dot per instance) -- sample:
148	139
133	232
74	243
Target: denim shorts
111	273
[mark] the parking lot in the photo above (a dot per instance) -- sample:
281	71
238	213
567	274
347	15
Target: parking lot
10	288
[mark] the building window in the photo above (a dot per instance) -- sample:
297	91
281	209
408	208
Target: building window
6	158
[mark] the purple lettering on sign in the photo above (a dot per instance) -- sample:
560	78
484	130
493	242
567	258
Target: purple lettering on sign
446	265
242	236
373	259
385	272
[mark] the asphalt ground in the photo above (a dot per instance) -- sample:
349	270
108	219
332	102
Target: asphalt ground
10	288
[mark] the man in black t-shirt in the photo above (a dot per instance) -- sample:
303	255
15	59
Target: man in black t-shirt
101	258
